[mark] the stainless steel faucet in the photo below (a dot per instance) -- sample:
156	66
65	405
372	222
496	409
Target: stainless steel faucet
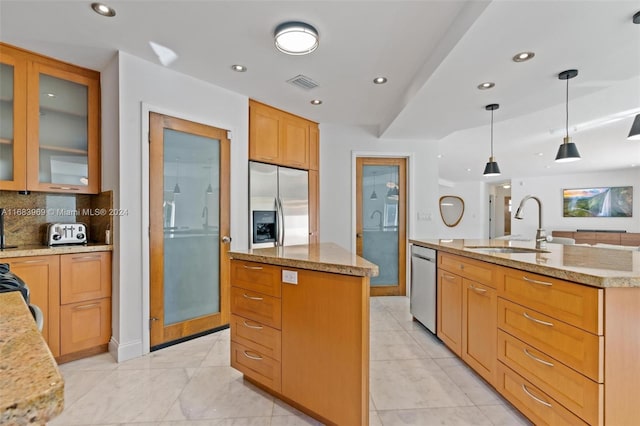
374	213
541	234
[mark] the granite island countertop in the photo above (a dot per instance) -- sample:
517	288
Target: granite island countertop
31	387
324	257
593	266
42	250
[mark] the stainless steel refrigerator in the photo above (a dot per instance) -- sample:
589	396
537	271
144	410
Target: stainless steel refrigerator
278	206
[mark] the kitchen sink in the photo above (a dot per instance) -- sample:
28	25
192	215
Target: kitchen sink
492	249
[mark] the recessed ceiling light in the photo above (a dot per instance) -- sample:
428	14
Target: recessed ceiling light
316	102
238	68
523	56
296	38
468	170
103	9
486	85
380	80
439	155
539	154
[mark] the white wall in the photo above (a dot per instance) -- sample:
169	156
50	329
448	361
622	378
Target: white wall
475	220
549	190
338	145
143	85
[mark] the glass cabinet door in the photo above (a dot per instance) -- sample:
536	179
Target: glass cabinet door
63	132
12	121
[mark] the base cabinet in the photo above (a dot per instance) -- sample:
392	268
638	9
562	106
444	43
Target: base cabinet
307	343
74	293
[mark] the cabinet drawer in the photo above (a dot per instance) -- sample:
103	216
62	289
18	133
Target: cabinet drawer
570	345
256	366
256	306
473	269
258	277
85	276
575	304
85	325
582	396
256	336
532	402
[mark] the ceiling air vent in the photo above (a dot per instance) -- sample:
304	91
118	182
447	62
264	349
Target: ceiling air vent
303	82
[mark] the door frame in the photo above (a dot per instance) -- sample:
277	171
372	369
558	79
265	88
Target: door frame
131	351
410	206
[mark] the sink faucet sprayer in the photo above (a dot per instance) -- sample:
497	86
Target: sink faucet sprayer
541	234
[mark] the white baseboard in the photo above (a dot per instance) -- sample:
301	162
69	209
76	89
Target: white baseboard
125	351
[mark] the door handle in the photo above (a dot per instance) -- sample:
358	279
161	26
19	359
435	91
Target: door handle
226	239
359	235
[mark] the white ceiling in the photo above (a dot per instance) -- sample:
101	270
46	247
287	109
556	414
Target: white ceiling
434	54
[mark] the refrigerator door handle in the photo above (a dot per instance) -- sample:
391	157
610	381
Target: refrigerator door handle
281	222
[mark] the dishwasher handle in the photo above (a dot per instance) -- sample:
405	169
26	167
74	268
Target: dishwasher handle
423	257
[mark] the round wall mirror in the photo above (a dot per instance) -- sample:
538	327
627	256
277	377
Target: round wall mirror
451	209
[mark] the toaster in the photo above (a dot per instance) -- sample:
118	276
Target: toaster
66	233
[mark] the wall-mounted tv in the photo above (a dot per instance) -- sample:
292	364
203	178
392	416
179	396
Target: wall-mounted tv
611	201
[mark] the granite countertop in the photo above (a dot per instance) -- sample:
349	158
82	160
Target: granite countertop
40	250
594	266
31	387
324	257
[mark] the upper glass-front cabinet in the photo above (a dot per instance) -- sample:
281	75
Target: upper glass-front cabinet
12	121
49	129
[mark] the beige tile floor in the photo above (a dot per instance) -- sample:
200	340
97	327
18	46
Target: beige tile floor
415	380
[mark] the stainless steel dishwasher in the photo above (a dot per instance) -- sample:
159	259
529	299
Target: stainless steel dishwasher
423	286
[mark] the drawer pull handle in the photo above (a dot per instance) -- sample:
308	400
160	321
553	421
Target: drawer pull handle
478	290
524	388
255	357
529	280
246	296
91	305
448	277
66	188
21	262
86	257
253	268
535	358
527	316
255	327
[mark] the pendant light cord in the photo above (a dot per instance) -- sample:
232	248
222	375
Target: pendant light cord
491	133
567	110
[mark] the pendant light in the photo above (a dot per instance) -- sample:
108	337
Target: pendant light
209	188
176	189
634	133
568	150
491	168
374	196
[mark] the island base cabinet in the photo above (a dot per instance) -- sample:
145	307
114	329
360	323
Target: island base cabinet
479	335
449	324
325	345
532	402
85	325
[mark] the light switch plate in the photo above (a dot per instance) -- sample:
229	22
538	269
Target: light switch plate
289	277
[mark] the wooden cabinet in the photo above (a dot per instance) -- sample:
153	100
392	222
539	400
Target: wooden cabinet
307	343
604	237
54	112
42	276
74	293
449	328
467	308
277	137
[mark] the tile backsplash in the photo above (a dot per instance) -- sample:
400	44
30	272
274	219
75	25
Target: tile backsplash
26	216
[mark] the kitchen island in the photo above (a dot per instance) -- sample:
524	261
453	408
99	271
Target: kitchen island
300	327
553	330
31	387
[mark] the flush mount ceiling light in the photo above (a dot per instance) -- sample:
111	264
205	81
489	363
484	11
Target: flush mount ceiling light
568	150
634	133
238	68
380	80
316	102
486	85
103	9
523	56
491	168
296	38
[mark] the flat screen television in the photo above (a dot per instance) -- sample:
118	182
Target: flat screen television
609	201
